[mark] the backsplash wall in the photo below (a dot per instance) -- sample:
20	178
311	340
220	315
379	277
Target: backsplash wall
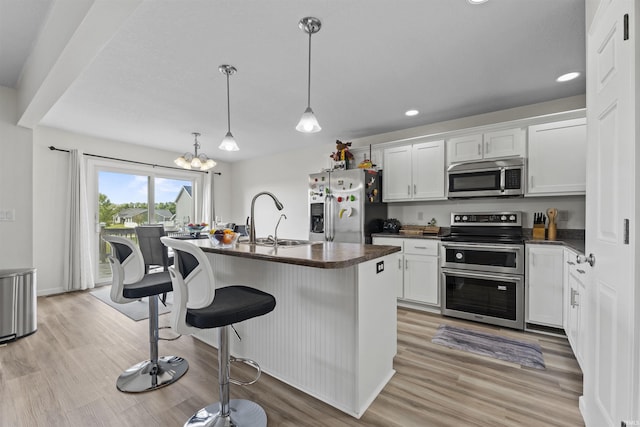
571	210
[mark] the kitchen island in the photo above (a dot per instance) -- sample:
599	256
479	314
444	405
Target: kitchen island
333	332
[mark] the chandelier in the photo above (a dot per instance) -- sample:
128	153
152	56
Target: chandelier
195	160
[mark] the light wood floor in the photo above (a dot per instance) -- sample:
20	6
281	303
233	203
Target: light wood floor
64	375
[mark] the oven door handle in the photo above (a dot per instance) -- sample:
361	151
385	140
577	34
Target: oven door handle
502	179
501	248
504	278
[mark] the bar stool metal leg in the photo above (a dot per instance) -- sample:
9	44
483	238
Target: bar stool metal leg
227	413
157	371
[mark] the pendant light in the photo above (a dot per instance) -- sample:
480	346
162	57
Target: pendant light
308	122
228	142
195	161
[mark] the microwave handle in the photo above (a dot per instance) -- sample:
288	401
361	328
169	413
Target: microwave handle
502	179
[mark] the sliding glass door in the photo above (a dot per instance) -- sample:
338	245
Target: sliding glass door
126	198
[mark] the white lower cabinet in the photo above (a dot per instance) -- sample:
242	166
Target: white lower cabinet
544	285
574	288
419	263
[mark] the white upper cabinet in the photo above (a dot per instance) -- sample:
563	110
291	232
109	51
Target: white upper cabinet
396	181
464	148
414	172
557	158
490	145
504	143
428	170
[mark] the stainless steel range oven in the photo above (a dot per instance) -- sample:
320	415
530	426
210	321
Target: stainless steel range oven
483	268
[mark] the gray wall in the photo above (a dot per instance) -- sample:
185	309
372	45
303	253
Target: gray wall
16	186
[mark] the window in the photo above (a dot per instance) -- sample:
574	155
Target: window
126	197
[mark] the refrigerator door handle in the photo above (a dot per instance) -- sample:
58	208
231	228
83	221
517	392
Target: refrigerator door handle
327	220
328	205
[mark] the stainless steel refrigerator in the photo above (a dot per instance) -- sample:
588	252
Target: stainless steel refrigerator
345	205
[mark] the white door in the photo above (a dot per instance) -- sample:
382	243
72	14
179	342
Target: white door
397	173
611	358
463	148
421	278
557	157
504	143
428	170
544	285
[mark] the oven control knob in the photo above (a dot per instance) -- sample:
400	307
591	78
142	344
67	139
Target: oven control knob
464	218
456	218
503	218
459	255
512	218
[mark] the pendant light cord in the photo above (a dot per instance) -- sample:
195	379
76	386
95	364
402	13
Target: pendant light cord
228	106
309	76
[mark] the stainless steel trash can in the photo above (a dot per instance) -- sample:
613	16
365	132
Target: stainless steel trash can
18	304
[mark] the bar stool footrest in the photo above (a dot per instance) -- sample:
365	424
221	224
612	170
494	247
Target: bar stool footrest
249	362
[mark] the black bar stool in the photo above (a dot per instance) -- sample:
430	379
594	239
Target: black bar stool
129	284
199	305
154	253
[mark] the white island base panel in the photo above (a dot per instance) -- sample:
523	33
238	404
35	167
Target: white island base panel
333	333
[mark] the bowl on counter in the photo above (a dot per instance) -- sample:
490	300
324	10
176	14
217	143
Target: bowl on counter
195	229
223	238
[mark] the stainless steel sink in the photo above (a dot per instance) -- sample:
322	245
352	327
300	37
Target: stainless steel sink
268	241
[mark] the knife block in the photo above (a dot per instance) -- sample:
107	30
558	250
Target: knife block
538	232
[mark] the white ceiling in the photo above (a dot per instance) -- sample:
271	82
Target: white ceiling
157	78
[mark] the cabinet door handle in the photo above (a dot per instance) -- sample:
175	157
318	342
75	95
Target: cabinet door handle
571	263
580	271
479	149
406	264
415	189
399	264
420	247
574	299
409	190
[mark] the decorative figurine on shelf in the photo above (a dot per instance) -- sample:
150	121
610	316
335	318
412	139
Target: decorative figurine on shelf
342	155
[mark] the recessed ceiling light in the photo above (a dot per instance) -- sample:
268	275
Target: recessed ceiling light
477	1
568	76
411	113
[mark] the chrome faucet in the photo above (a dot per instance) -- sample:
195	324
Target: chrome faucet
252	228
275	233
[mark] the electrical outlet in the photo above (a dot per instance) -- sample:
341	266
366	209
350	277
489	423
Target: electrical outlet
7	214
563	215
420	216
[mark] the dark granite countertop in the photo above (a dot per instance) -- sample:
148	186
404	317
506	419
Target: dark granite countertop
318	254
575	244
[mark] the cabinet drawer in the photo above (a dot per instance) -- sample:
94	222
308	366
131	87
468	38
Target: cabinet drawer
421	247
581	271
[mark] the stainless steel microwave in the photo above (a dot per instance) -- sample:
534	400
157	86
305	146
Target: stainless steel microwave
486	178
